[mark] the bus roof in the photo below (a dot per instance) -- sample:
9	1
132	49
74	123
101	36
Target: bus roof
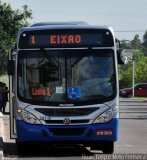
58	23
63	25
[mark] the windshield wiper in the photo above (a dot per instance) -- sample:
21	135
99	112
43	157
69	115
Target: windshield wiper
50	60
77	61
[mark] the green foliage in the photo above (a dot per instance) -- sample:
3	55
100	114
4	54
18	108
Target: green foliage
141	71
145	42
4	79
136	42
125	75
10	21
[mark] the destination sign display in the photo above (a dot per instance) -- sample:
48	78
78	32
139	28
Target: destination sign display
56	39
63	39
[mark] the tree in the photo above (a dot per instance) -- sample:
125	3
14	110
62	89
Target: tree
145	42
125	75
136	42
141	70
10	21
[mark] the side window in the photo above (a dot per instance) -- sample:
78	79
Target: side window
137	87
145	86
140	86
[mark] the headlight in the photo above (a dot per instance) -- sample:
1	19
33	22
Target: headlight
28	117
107	116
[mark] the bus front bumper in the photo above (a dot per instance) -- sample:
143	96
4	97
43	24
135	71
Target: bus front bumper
64	133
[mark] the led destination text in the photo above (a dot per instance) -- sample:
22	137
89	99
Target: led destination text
57	39
70	39
41	91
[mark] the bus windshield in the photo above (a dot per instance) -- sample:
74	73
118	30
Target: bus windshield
66	76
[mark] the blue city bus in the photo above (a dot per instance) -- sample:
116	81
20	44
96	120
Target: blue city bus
64	86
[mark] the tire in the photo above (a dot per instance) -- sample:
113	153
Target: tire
108	147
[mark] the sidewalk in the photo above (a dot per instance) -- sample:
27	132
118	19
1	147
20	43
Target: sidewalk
1	140
1	115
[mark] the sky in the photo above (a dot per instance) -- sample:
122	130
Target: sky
127	17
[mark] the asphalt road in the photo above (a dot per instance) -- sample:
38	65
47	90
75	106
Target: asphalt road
132	139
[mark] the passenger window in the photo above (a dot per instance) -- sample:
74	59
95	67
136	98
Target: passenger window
137	87
143	86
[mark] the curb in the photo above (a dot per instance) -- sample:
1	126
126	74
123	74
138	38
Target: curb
131	100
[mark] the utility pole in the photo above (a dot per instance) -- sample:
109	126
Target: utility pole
133	73
133	77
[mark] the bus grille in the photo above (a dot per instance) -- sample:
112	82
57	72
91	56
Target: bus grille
71	122
66	131
66	111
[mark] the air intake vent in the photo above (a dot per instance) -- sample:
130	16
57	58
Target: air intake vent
66	111
71	122
66	131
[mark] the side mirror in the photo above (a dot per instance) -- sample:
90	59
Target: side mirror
121	57
11	67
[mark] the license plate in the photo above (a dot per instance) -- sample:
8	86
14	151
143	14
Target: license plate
104	132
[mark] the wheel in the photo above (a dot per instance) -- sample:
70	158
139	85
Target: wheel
108	147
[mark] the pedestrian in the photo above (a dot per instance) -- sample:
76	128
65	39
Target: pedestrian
5	97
